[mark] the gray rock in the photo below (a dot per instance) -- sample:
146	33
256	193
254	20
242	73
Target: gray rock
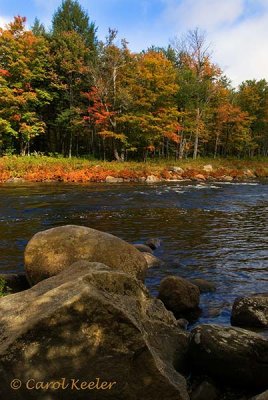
112	179
251	311
249	173
15	180
154	243
208	168
143	248
50	251
177	170
152	179
227	178
233	356
204	285
179	295
205	391
91	322
141	179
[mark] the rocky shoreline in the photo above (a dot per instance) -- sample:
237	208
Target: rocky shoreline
168	174
81	324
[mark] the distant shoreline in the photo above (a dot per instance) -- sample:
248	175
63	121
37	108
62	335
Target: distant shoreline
80	170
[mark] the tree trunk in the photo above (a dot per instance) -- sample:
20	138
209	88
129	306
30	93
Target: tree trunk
181	147
70	145
216	145
196	139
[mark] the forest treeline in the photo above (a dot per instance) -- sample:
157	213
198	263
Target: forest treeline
66	92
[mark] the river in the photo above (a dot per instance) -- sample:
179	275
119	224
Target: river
215	231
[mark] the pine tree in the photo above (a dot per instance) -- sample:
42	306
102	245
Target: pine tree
71	17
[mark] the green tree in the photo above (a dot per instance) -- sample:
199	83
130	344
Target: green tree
197	76
252	97
69	59
70	17
38	29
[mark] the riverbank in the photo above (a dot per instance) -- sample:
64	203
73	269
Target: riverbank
50	169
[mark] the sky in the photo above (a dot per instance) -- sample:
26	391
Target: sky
237	30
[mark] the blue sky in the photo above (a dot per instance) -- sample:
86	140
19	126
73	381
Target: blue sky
236	29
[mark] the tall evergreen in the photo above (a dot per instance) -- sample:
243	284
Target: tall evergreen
38	28
70	16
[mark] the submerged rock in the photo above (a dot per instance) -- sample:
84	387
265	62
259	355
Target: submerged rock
231	355
91	323
179	295
251	311
50	251
204	285
154	243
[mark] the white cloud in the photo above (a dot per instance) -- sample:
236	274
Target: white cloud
203	13
243	50
4	21
237	29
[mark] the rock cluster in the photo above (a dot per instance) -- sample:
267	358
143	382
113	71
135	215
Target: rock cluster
91	321
89	324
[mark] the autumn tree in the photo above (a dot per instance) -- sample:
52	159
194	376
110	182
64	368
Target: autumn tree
23	78
196	77
152	120
110	94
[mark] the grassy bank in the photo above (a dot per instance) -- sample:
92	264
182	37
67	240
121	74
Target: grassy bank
40	169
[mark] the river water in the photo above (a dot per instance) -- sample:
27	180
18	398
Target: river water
215	231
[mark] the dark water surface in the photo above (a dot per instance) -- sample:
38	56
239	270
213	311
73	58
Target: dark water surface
217	231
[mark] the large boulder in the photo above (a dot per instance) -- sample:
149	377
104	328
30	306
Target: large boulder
179	295
50	251
251	311
233	356
90	324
